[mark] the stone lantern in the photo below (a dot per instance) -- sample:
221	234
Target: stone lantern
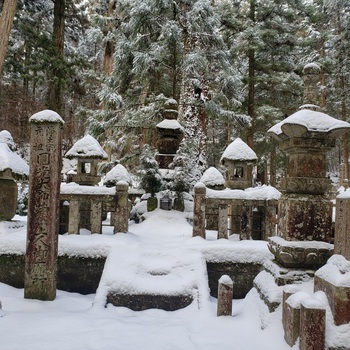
305	208
170	134
11	166
239	159
89	153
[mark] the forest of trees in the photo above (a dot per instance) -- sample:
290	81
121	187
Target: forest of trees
107	66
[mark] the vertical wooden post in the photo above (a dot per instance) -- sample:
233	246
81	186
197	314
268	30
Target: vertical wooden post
43	207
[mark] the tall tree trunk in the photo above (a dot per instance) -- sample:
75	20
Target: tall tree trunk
108	60
342	87
6	21
56	86
251	83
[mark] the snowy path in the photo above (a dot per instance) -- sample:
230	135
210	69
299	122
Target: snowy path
76	322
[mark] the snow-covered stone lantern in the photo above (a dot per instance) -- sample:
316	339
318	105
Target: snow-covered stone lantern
12	167
305	208
89	153
239	159
170	134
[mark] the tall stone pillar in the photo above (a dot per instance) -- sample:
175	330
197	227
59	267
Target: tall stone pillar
199	210
342	226
43	207
121	221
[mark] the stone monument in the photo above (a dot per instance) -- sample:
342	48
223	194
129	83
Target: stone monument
305	208
43	207
170	134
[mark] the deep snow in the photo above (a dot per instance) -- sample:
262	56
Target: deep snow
78	322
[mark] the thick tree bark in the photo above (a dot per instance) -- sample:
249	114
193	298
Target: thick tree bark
108	60
56	86
251	83
6	21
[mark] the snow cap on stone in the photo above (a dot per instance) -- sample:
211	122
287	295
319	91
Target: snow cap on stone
12	161
238	150
6	137
304	121
118	173
212	177
87	147
169	124
46	116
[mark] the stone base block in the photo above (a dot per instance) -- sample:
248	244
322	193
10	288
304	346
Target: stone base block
140	302
305	217
300	254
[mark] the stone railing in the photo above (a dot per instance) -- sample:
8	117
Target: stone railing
243	203
88	203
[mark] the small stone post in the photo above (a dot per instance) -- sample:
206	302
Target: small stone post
43	208
121	222
312	325
225	296
199	210
96	216
290	319
74	217
222	226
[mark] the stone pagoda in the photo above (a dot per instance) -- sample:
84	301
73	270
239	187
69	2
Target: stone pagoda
239	159
88	153
170	134
305	208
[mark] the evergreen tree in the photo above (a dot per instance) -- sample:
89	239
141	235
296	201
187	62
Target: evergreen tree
151	178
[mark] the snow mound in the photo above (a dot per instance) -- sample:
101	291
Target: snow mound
212	177
46	116
12	161
239	150
118	173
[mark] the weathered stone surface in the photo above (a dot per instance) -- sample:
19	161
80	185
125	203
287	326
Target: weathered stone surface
225	296
241	274
199	211
152	203
222	224
305	218
338	298
121	221
8	199
290	320
312	328
342	228
74	274
43	208
140	302
74	217
300	255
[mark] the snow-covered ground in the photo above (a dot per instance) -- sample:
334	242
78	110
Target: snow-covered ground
79	322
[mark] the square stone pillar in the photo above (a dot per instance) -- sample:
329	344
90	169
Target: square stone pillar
74	217
43	207
222	225
312	326
199	210
96	216
121	221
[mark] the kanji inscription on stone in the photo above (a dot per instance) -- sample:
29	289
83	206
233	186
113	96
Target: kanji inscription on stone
43	206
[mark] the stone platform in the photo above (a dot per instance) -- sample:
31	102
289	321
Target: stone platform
166	279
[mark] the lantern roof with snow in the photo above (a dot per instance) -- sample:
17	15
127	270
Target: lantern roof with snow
116	174
86	148
238	150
